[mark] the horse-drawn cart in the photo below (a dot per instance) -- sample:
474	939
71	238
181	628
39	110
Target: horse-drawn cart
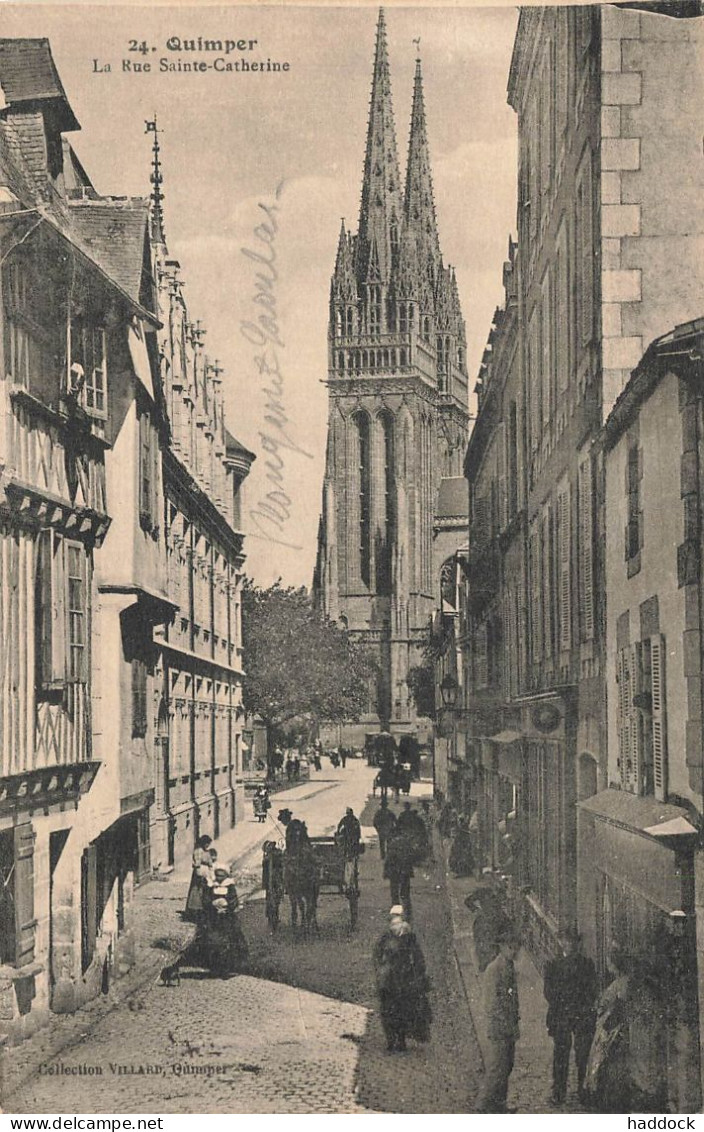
304	872
336	876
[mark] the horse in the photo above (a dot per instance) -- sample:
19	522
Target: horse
386	779
301	877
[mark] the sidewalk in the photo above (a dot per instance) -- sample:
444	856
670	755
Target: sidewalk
157	929
531	1080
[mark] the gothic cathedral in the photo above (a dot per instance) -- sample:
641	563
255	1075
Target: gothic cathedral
398	408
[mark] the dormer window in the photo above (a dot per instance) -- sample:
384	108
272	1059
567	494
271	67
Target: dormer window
87	368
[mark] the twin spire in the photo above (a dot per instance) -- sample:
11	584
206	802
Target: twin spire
387	218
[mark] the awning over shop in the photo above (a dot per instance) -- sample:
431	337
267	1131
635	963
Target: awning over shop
509	756
638	842
644	815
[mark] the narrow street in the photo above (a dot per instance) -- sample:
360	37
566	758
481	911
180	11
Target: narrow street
297	1033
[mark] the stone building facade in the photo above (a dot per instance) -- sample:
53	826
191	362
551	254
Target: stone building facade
89	505
609	258
198	755
78	570
398	411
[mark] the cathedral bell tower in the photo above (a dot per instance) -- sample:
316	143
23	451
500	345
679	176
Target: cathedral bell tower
398	406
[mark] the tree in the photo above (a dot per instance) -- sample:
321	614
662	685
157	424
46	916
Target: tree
299	665
421	681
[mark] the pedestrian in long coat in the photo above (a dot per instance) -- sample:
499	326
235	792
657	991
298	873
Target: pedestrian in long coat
461	858
571	990
398	868
200	877
628	1056
490	923
502	1020
402	983
384	823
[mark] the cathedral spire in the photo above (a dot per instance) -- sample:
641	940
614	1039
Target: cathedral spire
419	205
381	209
157	197
344	285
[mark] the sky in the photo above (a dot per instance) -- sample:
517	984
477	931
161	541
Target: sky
230	139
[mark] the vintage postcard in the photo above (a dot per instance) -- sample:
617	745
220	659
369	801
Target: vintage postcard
351	593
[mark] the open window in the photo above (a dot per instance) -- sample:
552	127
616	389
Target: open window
87	379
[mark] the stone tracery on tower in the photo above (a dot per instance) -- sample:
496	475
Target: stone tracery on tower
398	404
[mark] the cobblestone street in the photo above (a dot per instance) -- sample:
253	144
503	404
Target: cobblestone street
298	1032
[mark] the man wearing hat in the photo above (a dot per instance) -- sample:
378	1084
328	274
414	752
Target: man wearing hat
402	983
571	990
502	1018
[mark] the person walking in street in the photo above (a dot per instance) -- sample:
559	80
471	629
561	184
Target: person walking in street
490	923
429	823
412	825
402	983
571	990
343	756
461	858
349	837
398	868
200	877
289	768
384	821
502	1019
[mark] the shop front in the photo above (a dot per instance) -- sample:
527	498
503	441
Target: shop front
642	875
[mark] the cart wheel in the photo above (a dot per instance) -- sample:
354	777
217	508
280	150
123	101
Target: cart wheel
353	898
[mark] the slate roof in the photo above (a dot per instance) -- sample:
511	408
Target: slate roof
453	498
13	171
113	234
234	447
28	74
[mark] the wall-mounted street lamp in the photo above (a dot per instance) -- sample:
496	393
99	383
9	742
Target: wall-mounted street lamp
448	690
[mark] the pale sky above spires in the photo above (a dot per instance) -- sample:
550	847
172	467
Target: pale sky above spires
227	141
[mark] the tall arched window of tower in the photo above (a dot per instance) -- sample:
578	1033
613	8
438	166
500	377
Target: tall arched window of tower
363	488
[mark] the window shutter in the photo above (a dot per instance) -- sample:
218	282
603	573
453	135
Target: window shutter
564	543
156	517
139	698
24	894
586	549
547	590
89	904
501	475
634	763
657	688
622	712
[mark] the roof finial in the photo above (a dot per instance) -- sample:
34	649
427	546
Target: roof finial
417	43
156	179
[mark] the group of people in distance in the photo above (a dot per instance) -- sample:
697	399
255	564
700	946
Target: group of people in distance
401	978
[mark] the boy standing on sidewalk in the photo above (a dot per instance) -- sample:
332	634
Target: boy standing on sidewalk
502	1015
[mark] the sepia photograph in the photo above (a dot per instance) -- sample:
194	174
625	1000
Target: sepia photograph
352	560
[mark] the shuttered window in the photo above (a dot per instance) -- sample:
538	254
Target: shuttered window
634	525
586	549
630	723
642	725
564	536
585	251
89	905
17	922
139	698
24	894
547	587
659	728
148	473
61	610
